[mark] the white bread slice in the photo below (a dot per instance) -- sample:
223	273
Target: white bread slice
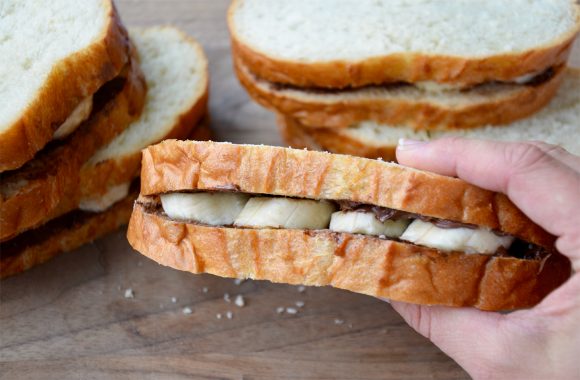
176	72
558	123
54	55
350	43
491	103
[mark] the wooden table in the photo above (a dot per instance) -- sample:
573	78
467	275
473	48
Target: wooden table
70	318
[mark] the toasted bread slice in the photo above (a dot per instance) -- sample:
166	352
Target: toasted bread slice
351	44
405	105
55	54
362	264
556	124
45	187
176	101
174	166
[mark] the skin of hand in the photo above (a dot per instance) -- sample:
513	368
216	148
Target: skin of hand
544	182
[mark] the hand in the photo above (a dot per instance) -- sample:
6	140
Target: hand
544	182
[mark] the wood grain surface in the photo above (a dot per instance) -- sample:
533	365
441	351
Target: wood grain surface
70	318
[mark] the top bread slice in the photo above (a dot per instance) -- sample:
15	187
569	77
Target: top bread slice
558	123
54	55
350	43
190	165
177	77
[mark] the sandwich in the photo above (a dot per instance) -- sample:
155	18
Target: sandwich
556	124
315	218
99	198
61	61
426	66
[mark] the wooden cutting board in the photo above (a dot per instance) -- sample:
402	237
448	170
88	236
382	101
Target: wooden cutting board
70	318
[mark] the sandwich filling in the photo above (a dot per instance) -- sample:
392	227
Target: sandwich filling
75	119
242	210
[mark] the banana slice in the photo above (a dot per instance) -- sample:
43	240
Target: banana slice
285	213
356	222
455	239
210	208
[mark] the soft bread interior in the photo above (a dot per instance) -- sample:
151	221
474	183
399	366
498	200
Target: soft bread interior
59	28
307	31
175	69
251	211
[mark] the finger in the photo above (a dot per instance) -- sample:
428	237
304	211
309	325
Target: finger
542	186
471	337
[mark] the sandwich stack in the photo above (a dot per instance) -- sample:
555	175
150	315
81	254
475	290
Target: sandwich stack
71	138
354	77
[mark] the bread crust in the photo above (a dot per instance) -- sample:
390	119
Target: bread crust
61	235
70	81
402	67
48	186
190	165
362	264
331	140
417	114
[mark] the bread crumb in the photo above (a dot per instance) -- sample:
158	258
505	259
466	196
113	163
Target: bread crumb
299	304
129	293
338	321
187	310
173	299
239	301
291	310
218	315
229	315
279	310
204	289
227	298
301	289
238	281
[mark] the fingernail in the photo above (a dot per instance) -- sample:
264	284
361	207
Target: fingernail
407	144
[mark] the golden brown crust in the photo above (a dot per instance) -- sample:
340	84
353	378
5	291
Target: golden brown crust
70	81
47	186
61	235
361	264
331	140
416	114
188	165
402	67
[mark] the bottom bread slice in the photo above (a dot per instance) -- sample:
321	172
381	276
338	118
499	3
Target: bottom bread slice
556	124
362	264
62	234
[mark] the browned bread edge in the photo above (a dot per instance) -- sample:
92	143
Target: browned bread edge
69	82
358	263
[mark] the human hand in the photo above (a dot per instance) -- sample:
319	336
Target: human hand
544	182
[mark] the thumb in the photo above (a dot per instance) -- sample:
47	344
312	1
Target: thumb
471	337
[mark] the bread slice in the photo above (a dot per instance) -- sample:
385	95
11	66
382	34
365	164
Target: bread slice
351	43
556	124
45	186
173	166
62	234
405	105
176	72
54	55
380	268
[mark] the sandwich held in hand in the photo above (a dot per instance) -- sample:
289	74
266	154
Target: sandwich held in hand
313	218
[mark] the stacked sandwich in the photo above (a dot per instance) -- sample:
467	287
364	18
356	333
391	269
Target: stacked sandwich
80	98
354	77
